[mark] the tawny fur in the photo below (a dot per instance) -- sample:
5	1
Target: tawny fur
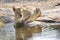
22	30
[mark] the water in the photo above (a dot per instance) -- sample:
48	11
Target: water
48	33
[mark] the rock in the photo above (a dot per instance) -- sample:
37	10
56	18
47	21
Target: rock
52	14
7	31
44	18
